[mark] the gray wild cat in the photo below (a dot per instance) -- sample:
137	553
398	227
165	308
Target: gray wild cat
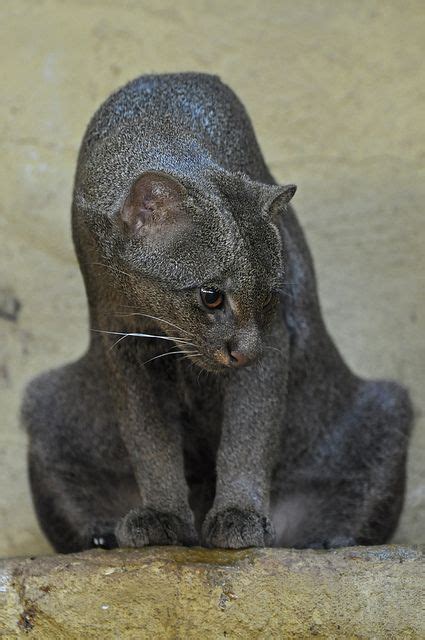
211	407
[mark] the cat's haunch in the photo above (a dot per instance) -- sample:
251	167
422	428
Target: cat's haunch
211	407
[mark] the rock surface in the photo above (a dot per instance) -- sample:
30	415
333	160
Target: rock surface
176	593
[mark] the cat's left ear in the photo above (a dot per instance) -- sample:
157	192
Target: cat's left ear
278	201
154	204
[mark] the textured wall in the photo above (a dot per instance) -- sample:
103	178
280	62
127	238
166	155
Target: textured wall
336	93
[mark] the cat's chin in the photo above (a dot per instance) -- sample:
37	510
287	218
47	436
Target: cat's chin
211	366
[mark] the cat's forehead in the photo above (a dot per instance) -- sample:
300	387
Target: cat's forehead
256	251
221	236
229	245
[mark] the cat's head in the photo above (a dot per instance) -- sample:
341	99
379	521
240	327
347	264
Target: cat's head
206	260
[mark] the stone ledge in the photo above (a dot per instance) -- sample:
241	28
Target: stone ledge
178	593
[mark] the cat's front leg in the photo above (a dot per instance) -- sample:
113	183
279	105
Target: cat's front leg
164	516
254	407
155	449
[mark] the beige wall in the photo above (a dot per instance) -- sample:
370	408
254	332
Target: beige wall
336	94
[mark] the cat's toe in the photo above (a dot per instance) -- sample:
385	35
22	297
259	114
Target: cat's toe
142	527
237	529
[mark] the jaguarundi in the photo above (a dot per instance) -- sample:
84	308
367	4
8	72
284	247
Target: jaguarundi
212	407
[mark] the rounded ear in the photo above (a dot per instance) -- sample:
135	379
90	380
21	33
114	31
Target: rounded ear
277	203
154	202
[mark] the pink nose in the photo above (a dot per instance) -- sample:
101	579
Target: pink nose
238	359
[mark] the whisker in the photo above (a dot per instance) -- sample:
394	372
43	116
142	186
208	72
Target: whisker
162	355
260	369
119	340
145	315
285	293
199	376
178	346
128	306
273	348
114	269
191	355
145	335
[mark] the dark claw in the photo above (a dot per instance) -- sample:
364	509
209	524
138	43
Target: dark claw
104	541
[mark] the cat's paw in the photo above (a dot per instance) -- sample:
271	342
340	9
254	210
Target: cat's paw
235	528
142	527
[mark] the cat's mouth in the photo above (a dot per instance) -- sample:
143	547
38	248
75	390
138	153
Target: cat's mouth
221	360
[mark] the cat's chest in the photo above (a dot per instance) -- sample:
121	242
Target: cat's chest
189	398
201	398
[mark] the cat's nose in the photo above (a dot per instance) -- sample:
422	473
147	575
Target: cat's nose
237	358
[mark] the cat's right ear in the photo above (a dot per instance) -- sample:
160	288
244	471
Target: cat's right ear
280	199
155	203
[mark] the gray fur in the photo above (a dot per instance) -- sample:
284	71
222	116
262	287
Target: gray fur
292	450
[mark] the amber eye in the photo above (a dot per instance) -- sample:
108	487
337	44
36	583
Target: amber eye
212	298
